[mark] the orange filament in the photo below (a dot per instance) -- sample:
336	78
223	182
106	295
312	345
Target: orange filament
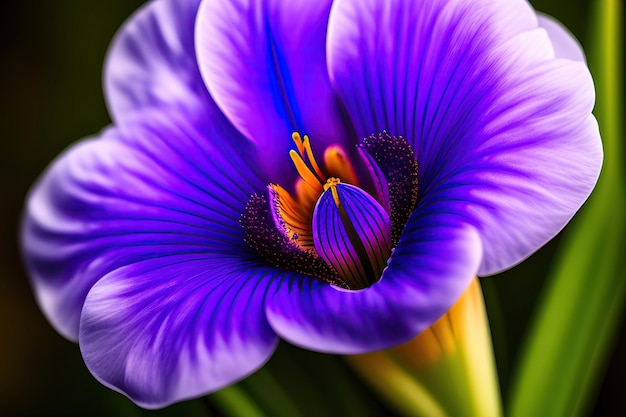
304	148
305	172
297	213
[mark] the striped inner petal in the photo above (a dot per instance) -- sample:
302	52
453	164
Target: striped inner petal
351	232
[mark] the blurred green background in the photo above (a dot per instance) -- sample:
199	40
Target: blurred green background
50	81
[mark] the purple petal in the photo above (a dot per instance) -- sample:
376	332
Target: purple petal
538	162
172	183
177	327
392	61
432	265
563	41
501	129
264	63
152	60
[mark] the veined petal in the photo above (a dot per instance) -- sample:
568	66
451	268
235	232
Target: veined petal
152	62
264	63
429	269
501	129
168	184
177	327
393	62
539	160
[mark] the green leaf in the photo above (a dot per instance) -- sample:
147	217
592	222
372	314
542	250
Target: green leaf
270	395
579	312
233	401
298	383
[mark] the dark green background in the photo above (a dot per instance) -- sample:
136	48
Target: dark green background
52	53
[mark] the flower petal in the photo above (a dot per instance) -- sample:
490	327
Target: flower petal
501	129
171	183
264	63
563	41
539	159
152	60
434	262
177	327
391	62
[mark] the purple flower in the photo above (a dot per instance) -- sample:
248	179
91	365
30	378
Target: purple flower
160	248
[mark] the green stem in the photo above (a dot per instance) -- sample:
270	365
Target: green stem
447	371
235	402
579	313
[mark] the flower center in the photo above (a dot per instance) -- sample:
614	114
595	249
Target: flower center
331	228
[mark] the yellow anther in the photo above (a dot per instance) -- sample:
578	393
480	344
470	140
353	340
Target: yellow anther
306	154
298	141
332	184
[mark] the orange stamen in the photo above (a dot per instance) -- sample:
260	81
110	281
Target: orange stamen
338	165
297	221
295	136
304	171
306	195
297	213
309	154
